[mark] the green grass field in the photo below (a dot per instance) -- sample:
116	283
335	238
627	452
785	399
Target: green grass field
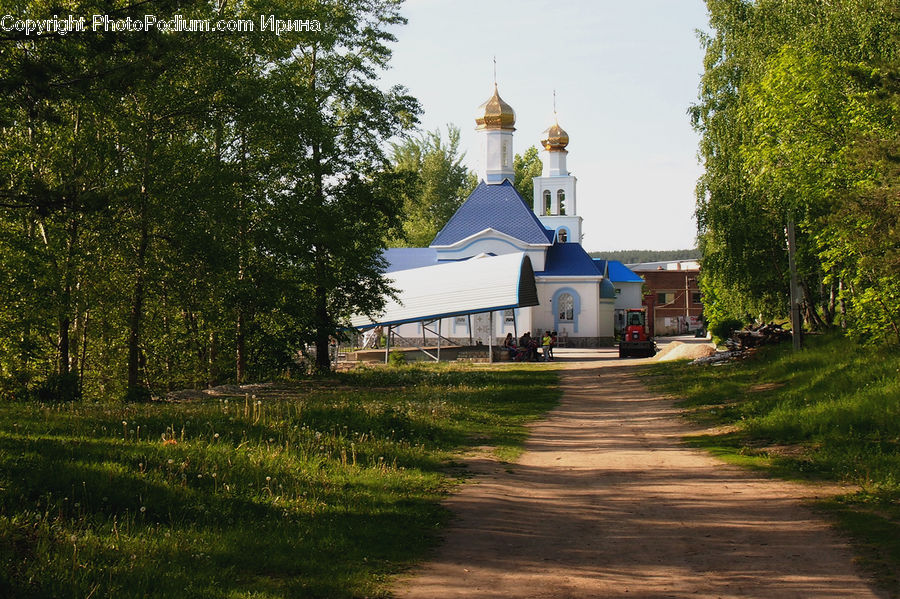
317	489
828	413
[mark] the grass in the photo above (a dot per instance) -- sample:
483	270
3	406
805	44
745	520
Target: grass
828	413
325	489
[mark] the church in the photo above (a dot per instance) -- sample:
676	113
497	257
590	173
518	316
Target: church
571	293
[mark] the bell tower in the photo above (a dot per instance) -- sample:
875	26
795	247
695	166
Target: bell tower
554	190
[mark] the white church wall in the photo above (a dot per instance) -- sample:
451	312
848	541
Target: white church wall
493	244
496	156
554	185
572	225
588	326
628	295
606	320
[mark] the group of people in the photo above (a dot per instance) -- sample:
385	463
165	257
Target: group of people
526	350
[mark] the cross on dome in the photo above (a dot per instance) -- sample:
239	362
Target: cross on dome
554	137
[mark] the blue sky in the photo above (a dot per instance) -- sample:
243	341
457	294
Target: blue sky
625	73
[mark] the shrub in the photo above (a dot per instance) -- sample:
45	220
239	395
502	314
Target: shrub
59	388
722	329
397	358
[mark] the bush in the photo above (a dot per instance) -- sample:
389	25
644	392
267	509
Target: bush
137	394
59	388
722	329
397	358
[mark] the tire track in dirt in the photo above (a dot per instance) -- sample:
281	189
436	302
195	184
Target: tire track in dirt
607	502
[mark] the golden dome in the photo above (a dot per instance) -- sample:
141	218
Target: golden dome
555	138
495	114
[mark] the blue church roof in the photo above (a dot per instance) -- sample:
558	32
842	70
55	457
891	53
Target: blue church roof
406	258
601	265
499	207
568	259
620	273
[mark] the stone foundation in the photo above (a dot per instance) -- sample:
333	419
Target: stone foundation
579	342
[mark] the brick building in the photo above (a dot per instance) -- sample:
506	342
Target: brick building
671	295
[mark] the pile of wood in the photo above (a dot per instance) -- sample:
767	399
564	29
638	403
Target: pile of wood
755	336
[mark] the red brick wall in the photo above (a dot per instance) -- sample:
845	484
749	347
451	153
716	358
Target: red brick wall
671	282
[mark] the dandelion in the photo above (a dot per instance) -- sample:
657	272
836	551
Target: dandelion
268	478
216	436
143	509
213	474
199	476
171	461
73	538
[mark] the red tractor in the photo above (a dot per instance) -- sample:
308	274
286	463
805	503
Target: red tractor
636	339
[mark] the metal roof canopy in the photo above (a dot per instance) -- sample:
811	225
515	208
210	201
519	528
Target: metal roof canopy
481	284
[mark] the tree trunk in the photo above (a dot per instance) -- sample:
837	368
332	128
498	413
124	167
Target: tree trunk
135	379
212	372
812	315
64	320
136	390
323	333
240	326
841	304
84	344
241	350
322	320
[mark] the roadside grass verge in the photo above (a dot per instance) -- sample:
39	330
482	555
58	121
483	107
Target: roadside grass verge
828	413
318	489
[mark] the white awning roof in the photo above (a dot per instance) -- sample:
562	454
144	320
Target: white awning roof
480	284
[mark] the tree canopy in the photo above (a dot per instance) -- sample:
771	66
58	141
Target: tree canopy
183	209
799	114
435	183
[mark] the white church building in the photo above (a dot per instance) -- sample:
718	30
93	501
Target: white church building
573	295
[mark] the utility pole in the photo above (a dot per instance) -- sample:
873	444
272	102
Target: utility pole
796	324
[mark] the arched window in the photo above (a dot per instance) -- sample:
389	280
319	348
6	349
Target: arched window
562	236
561	198
565	307
546	202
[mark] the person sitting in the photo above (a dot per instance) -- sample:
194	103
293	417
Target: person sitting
509	344
528	345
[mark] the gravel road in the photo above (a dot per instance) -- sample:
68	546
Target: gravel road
607	502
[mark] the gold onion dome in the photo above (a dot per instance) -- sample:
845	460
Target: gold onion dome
495	114
555	138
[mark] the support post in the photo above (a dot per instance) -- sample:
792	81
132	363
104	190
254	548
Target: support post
796	323
471	342
387	345
440	320
490	337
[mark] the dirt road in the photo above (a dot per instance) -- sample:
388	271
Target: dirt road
607	502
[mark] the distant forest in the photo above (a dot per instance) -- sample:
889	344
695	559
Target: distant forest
635	256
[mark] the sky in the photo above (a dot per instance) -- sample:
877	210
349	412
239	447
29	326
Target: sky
625	73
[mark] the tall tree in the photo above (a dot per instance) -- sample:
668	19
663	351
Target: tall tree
527	166
787	98
436	179
338	200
